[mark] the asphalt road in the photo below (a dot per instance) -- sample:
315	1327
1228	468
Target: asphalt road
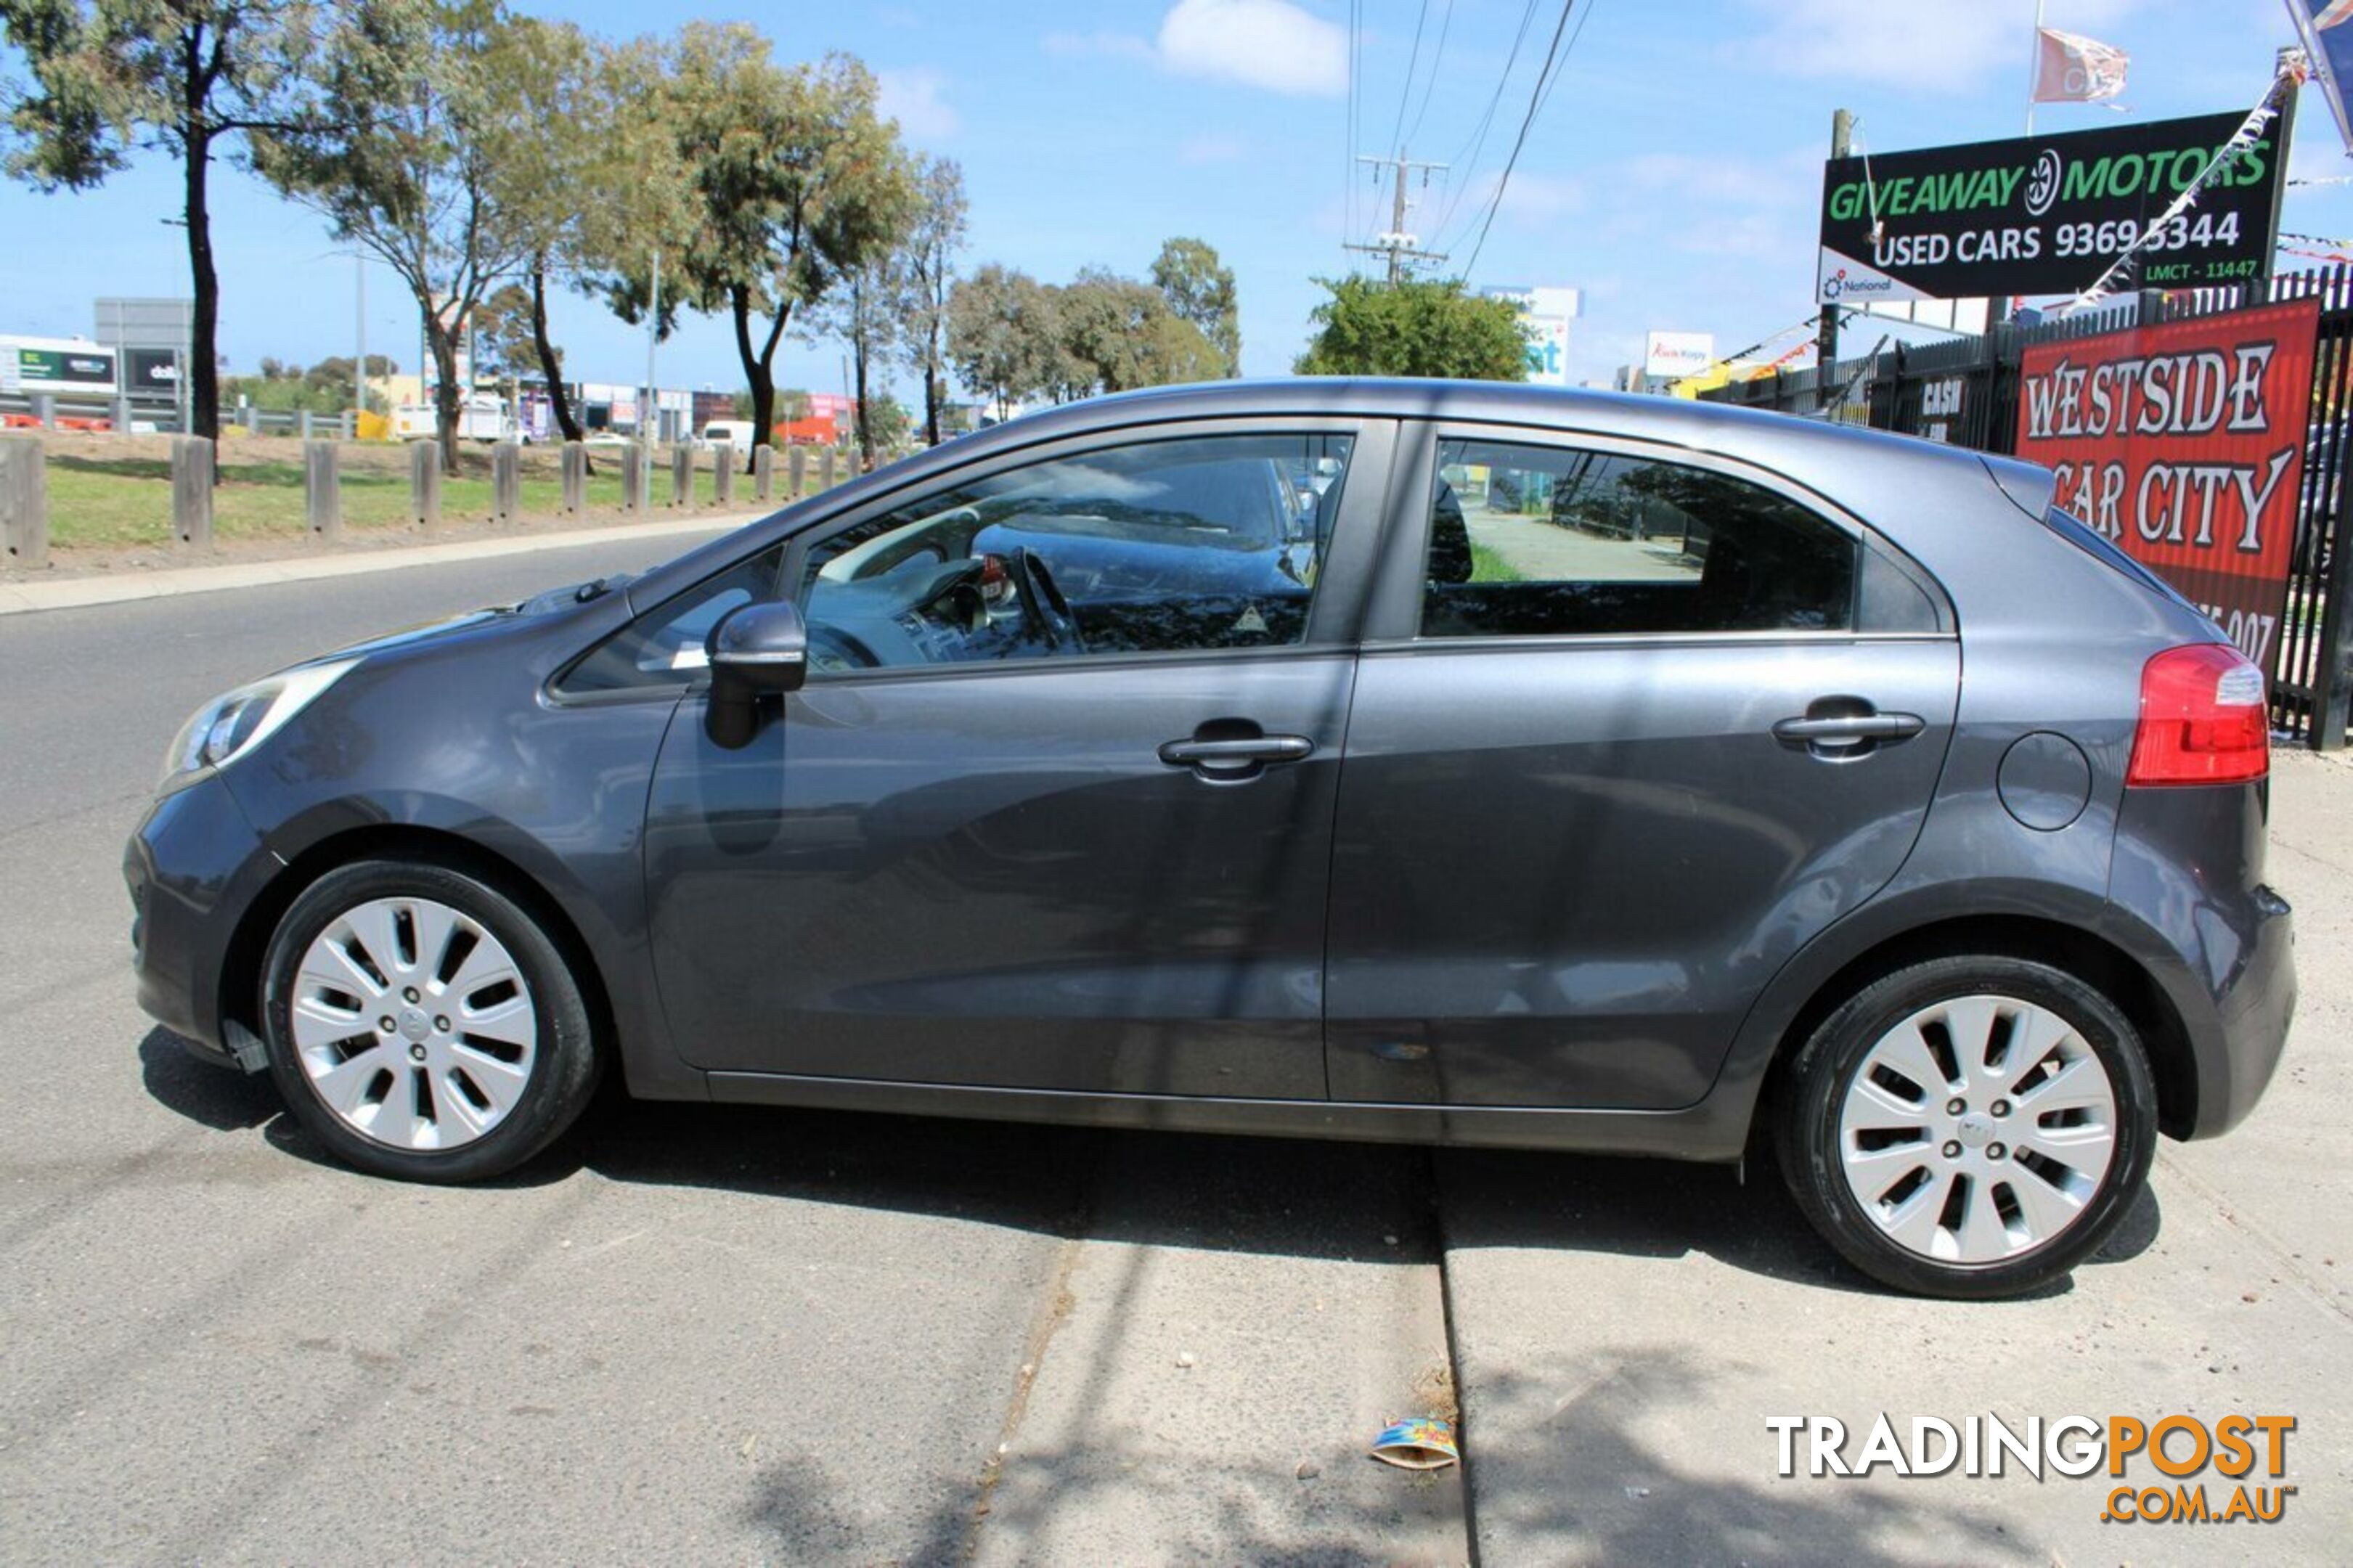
697	1333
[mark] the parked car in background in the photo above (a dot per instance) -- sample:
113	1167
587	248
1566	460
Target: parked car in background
1075	771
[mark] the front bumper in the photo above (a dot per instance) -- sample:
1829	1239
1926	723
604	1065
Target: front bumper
193	868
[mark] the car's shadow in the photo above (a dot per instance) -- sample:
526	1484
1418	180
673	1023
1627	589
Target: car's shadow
1283	1196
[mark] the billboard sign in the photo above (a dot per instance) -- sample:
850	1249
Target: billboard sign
66	369
1677	354
1545	316
155	372
2048	215
2183	443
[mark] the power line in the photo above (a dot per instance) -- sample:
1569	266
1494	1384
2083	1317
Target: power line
1405	95
1356	101
1466	157
1445	26
1555	60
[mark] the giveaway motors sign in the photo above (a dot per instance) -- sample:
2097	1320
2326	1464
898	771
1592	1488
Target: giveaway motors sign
2048	215
2183	443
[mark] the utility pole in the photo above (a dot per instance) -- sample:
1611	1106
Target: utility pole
1398	244
1826	338
650	415
359	364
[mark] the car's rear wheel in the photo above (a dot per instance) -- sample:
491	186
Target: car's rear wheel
422	1025
1969	1127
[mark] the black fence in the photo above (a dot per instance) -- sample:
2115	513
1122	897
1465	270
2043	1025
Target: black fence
1965	391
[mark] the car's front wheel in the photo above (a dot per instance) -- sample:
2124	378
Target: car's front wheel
423	1024
1970	1127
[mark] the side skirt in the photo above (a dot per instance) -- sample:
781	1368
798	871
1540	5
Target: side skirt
1695	1132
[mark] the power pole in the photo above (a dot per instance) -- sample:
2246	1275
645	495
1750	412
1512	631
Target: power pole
359	364
1398	244
649	417
1826	340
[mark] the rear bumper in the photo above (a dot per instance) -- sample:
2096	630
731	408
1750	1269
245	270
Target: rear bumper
2188	897
2253	1014
193	868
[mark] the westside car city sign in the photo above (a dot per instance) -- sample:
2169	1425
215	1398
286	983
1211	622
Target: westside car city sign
2047	215
2183	442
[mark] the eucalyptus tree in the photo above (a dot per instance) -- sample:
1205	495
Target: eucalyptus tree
794	181
422	121
108	79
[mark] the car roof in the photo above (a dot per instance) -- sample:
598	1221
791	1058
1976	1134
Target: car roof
1854	466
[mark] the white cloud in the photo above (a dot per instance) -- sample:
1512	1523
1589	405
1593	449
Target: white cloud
1212	149
1114	46
1937	46
1271	43
915	99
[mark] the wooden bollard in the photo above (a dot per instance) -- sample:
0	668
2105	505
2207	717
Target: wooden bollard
506	482
24	501
425	484
191	490
575	478
323	491
637	482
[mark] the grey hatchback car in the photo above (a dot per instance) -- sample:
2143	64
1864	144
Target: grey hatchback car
1573	772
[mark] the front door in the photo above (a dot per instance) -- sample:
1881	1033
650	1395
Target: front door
1054	809
1647	727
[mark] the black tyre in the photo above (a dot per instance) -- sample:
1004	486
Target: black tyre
422	1025
1969	1127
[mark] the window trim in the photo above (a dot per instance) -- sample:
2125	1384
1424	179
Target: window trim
1339	585
1393	619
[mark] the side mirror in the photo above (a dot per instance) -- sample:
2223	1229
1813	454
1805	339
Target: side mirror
760	649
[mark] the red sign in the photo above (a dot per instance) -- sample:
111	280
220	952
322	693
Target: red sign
2183	442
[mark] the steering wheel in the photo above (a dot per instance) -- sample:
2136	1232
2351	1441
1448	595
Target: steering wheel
1042	600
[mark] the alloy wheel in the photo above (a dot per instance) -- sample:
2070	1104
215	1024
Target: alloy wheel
1978	1129
414	1024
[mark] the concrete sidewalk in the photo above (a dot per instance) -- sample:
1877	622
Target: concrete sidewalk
77	593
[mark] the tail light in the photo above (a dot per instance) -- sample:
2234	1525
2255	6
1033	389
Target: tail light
2202	718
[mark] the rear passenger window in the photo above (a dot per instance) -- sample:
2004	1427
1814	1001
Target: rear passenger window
1529	541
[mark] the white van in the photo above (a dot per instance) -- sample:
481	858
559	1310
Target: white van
479	418
735	435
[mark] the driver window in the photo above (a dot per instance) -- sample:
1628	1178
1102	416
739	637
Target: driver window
1171	546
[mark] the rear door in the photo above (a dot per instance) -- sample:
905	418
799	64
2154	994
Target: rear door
1630	728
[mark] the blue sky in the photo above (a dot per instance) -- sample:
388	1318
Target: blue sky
1675	174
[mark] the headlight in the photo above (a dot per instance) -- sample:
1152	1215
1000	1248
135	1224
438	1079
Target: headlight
236	721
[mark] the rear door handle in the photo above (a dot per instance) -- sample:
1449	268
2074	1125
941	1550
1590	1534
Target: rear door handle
1852	727
1241	755
1842	729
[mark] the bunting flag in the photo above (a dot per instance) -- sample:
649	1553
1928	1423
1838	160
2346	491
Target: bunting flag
2072	68
2250	131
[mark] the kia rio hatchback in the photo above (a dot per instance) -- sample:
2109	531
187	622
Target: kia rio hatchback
1554	770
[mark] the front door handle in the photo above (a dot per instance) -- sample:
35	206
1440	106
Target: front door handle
1827	732
1235	757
